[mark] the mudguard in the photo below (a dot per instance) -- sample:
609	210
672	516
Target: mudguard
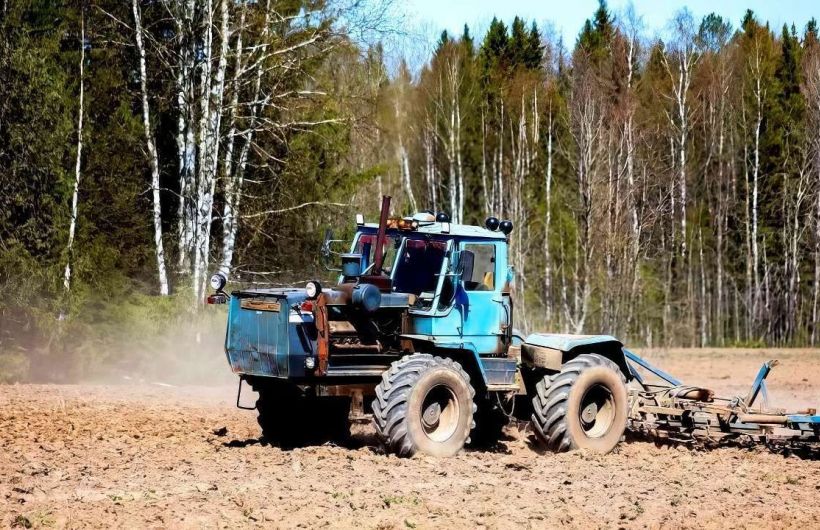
551	350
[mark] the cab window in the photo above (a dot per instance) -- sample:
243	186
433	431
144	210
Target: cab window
481	277
418	268
366	246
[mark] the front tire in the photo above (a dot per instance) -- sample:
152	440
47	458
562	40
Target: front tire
584	406
424	404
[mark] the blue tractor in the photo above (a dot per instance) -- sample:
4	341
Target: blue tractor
418	333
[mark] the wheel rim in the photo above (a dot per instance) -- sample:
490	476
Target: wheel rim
597	411
439	413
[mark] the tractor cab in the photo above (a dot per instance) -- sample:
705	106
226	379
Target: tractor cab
456	278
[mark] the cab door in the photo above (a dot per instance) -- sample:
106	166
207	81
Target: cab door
476	315
479	301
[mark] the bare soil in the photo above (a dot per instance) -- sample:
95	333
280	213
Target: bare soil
153	456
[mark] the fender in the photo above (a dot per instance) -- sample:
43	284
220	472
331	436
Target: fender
494	372
549	351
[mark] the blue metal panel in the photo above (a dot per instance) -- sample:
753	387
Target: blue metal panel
258	342
804	418
566	342
499	371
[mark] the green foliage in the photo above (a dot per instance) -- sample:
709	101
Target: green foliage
336	140
596	35
714	32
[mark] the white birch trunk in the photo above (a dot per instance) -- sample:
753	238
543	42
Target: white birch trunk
203	159
212	99
229	220
548	223
430	168
755	196
153	157
185	138
485	191
235	181
78	163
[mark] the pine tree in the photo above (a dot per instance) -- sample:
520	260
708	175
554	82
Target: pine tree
534	50
596	36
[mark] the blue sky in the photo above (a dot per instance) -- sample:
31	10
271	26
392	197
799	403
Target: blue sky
568	16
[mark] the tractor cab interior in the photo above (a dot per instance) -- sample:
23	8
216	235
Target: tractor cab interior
366	247
418	268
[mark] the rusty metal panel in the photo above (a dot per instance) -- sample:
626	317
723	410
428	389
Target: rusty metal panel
260	305
542	357
322	335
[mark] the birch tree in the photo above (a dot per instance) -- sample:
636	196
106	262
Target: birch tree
758	71
151	146
72	227
683	55
811	88
586	128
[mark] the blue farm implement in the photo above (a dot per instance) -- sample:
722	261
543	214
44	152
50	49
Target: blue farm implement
417	333
670	410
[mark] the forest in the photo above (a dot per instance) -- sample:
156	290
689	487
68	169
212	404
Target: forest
664	189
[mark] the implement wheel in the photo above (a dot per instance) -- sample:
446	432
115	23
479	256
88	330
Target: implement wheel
290	418
424	404
584	406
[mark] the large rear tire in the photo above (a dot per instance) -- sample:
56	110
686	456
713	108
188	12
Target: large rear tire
424	404
584	406
290	418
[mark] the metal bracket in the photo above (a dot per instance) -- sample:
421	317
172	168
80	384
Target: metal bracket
239	395
653	369
759	383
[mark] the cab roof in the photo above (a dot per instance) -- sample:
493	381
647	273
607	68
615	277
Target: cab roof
456	230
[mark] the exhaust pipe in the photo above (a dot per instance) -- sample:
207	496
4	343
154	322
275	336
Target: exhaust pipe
378	261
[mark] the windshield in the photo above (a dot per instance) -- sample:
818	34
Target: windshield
418	266
366	246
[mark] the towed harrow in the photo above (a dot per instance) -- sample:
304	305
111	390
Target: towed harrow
675	412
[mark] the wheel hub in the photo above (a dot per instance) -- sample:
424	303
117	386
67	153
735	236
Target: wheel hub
431	415
589	413
597	411
439	413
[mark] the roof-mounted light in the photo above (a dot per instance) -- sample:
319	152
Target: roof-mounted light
359	219
398	223
443	217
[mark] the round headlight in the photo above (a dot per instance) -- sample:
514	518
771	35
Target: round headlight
313	289
218	281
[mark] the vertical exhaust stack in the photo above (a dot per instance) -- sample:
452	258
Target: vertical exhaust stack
378	261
